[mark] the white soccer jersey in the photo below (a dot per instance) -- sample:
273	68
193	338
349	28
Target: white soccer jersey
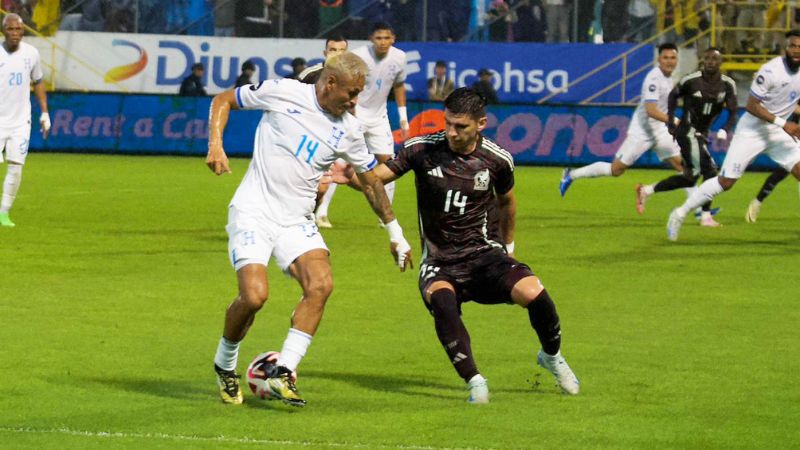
17	70
383	75
656	88
296	142
776	87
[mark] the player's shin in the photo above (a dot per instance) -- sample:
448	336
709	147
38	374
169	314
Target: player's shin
598	169
10	187
705	193
294	349
544	319
452	333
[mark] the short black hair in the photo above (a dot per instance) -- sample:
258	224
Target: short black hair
248	65
793	33
467	101
196	66
298	62
380	26
337	38
667	46
441	63
713	49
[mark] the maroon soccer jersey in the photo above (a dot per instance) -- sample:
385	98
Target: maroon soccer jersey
456	194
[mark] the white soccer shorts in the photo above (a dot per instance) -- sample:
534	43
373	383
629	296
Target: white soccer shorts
14	143
635	145
744	148
378	135
253	239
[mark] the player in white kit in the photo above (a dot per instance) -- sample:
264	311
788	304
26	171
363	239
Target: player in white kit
647	129
304	129
762	128
386	73
19	67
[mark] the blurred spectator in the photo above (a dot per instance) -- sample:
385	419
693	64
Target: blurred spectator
152	17
405	23
615	20
119	16
439	87
500	19
248	69
485	87
260	18
302	18
751	14
192	86
669	20
331	12
23	8
224	17
90	18
531	25
557	13
642	19
46	16
298	66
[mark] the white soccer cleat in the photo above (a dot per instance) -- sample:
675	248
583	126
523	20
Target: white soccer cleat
565	378
674	225
478	391
324	222
752	211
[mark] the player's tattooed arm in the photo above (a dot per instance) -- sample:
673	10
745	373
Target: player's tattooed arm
373	189
221	105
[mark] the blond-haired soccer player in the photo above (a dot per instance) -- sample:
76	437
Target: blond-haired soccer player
20	66
304	129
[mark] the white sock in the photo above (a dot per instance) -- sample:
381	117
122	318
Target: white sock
649	189
705	215
690	191
705	193
10	187
598	169
227	354
477	379
390	191
326	200
294	348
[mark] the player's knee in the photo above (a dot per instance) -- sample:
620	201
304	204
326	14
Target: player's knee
727	183
254	296
617	169
443	303
318	288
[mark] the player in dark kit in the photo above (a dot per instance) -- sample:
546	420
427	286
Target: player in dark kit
467	213
705	93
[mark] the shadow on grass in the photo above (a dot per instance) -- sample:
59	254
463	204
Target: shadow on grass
418	386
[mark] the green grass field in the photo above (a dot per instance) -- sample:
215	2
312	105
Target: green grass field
114	283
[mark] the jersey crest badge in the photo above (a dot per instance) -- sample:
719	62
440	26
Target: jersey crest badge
482	180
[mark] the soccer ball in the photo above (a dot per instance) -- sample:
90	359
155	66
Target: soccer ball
257	374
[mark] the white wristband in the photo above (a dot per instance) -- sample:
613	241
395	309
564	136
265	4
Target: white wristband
394	230
676	121
779	121
402	111
510	247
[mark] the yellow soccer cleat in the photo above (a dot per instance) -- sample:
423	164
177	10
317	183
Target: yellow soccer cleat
282	387
228	382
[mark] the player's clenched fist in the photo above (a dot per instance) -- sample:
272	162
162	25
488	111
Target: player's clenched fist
217	161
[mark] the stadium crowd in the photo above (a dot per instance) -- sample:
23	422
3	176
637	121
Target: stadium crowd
444	20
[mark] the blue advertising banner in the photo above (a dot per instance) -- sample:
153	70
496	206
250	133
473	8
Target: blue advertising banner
529	72
156	124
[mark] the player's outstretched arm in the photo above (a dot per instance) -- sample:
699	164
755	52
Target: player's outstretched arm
41	96
372	186
755	108
221	105
507	208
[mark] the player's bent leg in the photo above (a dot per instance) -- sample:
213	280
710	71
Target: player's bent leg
253	292
443	303
618	167
704	194
529	293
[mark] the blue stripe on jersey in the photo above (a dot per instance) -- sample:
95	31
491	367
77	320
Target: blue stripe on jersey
239	98
651	101
756	96
372	165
